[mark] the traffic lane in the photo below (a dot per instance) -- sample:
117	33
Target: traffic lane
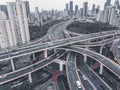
116	50
75	39
87	85
92	77
72	77
30	68
71	72
100	58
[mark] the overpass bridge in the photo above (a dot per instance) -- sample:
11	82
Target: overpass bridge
37	47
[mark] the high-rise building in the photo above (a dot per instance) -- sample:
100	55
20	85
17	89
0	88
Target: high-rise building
76	9
81	12
71	8
112	17
93	8
116	4
107	14
71	5
37	15
97	9
66	10
6	38
19	23
4	9
27	8
67	7
85	9
108	2
44	15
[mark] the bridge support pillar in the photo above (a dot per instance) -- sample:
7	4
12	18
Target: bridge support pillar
12	64
30	77
55	50
45	54
115	58
101	69
101	48
85	58
61	66
33	56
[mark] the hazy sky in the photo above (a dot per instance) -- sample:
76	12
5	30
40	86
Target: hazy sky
58	4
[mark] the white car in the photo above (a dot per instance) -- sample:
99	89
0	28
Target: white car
14	52
84	77
49	43
3	76
118	46
78	84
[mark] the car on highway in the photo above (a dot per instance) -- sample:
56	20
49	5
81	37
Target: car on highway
14	52
78	84
3	76
57	55
118	46
84	77
49	43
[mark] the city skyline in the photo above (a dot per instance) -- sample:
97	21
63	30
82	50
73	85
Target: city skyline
58	4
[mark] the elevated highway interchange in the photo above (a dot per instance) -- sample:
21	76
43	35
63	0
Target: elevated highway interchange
62	44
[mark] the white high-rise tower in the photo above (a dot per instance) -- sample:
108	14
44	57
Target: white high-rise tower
6	38
19	23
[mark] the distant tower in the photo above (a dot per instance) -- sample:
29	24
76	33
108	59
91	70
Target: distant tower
97	9
76	9
6	37
108	2
71	9
19	23
37	14
116	4
66	7
81	12
27	8
93	8
85	9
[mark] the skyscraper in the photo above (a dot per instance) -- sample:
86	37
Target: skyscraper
85	9
71	9
19	23
37	14
27	8
81	12
107	14
76	8
108	2
93	8
116	4
112	17
6	38
71	5
4	9
97	9
66	7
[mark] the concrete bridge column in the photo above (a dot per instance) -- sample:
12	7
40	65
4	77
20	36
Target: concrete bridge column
45	54
12	64
115	58
55	50
30	77
101	48
85	58
33	56
101	69
61	66
88	42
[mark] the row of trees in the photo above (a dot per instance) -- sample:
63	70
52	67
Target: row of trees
40	31
87	27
